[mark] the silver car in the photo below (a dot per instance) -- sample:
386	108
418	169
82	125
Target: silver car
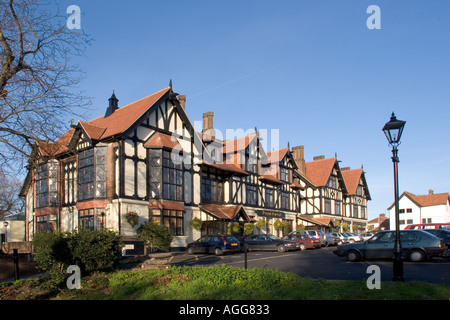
417	245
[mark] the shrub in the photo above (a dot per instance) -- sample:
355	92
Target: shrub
95	250
248	228
155	236
51	249
196	223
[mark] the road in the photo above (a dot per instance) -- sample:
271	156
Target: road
322	263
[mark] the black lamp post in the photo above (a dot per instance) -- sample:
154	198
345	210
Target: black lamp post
393	131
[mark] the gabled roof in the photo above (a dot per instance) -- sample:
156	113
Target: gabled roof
49	149
225	212
426	200
319	171
159	140
123	118
351	178
277	155
237	144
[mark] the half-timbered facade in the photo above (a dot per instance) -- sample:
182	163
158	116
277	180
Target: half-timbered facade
146	159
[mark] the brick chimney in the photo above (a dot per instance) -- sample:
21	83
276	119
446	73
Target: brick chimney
208	129
182	100
319	157
430	192
299	157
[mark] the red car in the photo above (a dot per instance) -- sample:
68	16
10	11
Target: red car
305	241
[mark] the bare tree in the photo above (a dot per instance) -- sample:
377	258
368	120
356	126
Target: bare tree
38	79
9	190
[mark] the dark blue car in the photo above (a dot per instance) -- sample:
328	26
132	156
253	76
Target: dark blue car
214	244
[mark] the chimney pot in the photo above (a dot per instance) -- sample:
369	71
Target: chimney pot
430	192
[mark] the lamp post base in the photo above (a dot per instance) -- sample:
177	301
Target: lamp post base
398	270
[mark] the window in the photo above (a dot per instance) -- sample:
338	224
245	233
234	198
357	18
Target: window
284	174
355	211
86	219
331	182
92	173
93	219
172	219
285	200
327	203
401	211
409	210
46	185
269	198
46	223
172	177
337	207
251	164
212	191
86	174
359	191
251	194
69	182
155	173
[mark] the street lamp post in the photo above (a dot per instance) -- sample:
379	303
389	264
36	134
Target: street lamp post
393	131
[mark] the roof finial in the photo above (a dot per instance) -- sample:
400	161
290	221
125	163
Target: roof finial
170	84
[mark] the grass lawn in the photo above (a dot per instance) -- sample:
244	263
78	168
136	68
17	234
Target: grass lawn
220	283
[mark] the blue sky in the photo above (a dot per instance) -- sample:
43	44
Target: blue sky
310	68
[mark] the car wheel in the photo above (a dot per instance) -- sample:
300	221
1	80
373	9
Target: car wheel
281	248
218	251
416	255
446	253
302	247
353	256
190	250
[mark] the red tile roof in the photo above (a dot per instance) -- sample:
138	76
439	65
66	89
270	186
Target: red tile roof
123	118
277	155
237	144
59	146
318	171
426	200
430	199
351	178
159	139
221	211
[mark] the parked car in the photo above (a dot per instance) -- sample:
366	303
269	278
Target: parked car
331	240
267	242
417	245
367	235
214	244
444	234
353	237
317	234
343	239
304	241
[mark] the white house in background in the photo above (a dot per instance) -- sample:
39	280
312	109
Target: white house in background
430	208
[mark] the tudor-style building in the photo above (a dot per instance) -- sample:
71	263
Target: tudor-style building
334	196
146	158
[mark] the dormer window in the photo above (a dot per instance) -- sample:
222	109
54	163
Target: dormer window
284	174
